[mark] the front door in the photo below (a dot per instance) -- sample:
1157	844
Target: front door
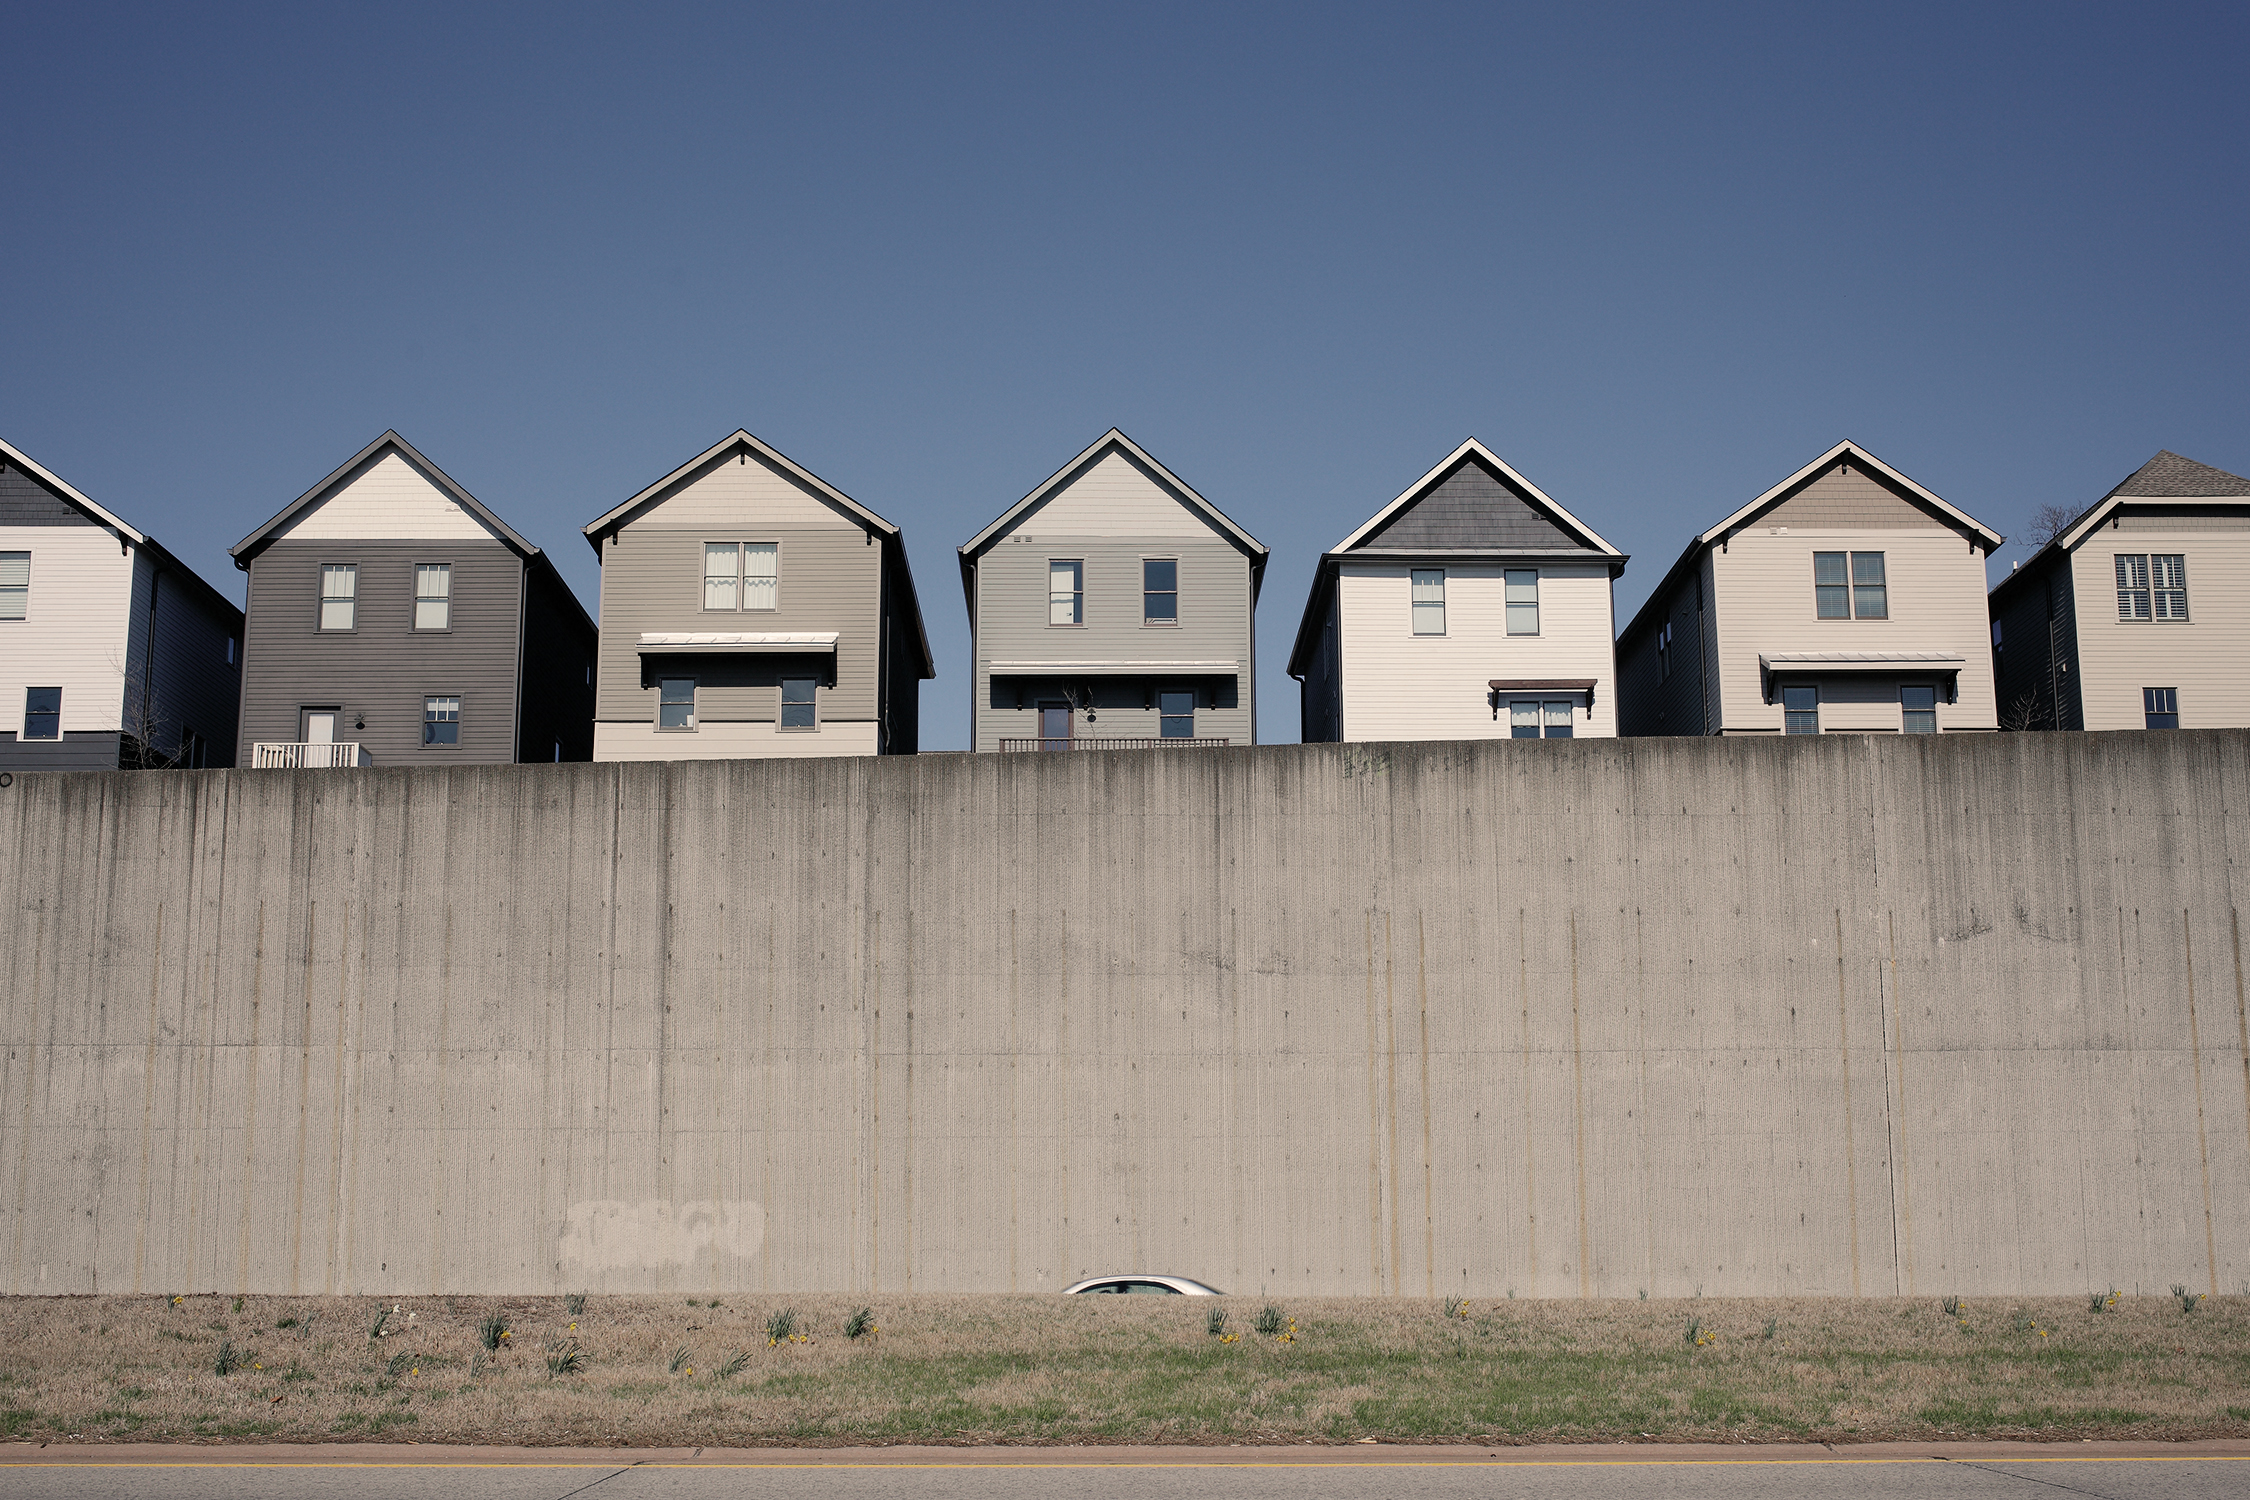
1054	726
320	726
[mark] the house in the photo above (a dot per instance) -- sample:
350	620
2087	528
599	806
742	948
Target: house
1112	608
751	608
1470	607
1847	597
2136	614
395	620
113	653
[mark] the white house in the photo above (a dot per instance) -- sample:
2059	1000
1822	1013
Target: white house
1471	607
112	653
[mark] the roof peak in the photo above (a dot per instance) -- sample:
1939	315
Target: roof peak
2170	474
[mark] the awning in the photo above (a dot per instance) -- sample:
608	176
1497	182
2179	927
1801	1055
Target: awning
1507	685
1945	664
1113	668
696	642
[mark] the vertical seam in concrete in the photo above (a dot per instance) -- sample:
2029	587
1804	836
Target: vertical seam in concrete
30	1092
1903	1231
1390	1093
438	1145
906	1154
2195	1066
2241	1016
1374	1117
1648	1164
1015	1067
1429	1198
304	1108
765	1181
875	1107
336	1116
1578	1112
1064	1271
148	1104
1851	1159
248	1184
1530	1146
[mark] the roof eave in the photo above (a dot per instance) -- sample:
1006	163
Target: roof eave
71	493
1991	539
612	520
257	541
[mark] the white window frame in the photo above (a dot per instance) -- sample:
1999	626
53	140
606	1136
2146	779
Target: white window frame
1077	593
742	576
23	730
1904	726
2142	585
441	699
1420	611
444	600
350	601
15	594
1161	715
1800	687
1509	582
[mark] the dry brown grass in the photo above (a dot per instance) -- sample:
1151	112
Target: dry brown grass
1046	1369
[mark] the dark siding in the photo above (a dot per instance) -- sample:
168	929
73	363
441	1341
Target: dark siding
901	710
24	501
1648	701
195	687
384	668
2023	665
2062	634
1321	702
1472	507
558	662
80	750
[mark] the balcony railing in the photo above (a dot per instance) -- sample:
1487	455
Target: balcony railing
1090	742
300	755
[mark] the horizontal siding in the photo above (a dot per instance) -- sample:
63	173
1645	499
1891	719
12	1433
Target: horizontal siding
1401	686
1854	501
73	635
191	685
2201	656
731	741
1214	579
1765	602
738	488
652	580
1649	701
85	751
387	497
2024	663
1116	496
383	670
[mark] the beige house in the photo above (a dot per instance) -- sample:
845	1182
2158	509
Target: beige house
752	609
2135	616
1846	598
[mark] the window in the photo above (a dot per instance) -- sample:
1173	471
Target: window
339	590
42	713
722	568
741	574
1176	715
1160	591
1871	596
15	585
433	596
2161	707
761	575
797	703
1800	710
1428	594
1530	718
2151	586
675	703
1850	586
1832	599
230	650
1066	592
195	752
1664	652
1522	590
441	721
1917	705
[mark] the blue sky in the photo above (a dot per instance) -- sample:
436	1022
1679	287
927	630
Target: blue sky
1657	257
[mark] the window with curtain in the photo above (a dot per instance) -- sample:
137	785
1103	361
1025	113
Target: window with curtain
722	574
1427	589
15	585
42	713
339	595
433	596
1066	592
761	575
1918	709
1522	588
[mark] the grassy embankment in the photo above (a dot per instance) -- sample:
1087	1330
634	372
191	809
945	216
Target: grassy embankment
680	1370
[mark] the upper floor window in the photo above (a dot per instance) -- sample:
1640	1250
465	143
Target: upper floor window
675	703
2160	707
1428	592
1160	591
339	595
2151	586
42	713
1850	586
1800	710
1917	706
1522	589
441	721
433	596
1066	592
15	585
741	575
798	706
1176	716
1664	652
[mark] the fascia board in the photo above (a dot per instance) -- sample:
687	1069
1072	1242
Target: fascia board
1993	539
1415	490
1007	518
69	492
2091	522
1324	580
255	542
595	530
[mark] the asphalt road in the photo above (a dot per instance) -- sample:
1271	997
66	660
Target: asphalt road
2105	1472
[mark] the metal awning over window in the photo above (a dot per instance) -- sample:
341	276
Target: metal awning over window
1945	665
1504	686
1083	668
697	642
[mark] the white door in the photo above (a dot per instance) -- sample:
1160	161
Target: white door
320	726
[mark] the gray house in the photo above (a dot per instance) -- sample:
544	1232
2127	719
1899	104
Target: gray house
395	620
1112	608
752	609
113	653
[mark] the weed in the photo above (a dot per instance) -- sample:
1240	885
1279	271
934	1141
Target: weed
492	1332
477	1364
859	1324
1456	1307
1951	1307
734	1366
781	1327
286	1323
679	1361
2188	1299
382	1317
2021	1321
576	1304
1269	1321
1693	1335
229	1358
398	1364
1215	1322
1771	1325
566	1359
238	1304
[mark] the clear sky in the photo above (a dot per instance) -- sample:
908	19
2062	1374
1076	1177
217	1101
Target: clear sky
1657	257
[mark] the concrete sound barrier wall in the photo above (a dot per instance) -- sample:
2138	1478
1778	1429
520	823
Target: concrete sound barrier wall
1849	1015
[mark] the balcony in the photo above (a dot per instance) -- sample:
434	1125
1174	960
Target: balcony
1090	742
303	755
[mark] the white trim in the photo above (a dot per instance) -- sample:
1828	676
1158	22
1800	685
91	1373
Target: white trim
1055	481
743	439
1861	658
2093	519
699	641
1731	523
16	456
1108	668
1414	491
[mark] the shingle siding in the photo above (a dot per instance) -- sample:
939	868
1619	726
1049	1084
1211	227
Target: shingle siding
24	501
1473	508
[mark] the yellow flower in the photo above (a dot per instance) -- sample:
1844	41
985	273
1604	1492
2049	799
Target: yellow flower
574	1328
691	1369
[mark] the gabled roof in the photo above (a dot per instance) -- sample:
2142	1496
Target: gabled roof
1842	452
16	456
745	441
1473	451
257	541
2167	477
1112	439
